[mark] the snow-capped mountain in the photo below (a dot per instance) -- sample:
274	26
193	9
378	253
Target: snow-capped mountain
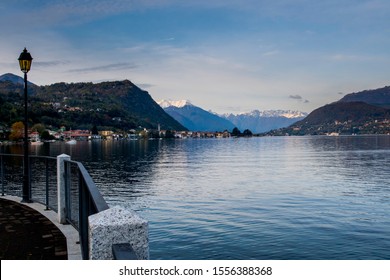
289	114
275	113
169	103
198	119
262	121
195	118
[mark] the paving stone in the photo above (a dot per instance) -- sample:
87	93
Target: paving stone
25	234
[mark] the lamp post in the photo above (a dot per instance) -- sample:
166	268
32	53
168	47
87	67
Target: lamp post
25	61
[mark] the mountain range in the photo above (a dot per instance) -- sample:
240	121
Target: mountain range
262	121
121	105
198	119
195	118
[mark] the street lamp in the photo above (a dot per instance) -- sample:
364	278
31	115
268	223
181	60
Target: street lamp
25	61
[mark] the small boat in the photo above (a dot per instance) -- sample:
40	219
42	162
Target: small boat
71	142
36	143
333	134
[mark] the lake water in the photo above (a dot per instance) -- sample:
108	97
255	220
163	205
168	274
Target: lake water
254	198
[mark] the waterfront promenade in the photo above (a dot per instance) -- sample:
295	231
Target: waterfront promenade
29	232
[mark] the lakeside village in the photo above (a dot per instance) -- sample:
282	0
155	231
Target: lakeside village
38	134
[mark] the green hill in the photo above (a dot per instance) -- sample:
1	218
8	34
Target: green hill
378	97
365	112
119	105
344	118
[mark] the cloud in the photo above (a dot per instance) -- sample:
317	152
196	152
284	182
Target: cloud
344	57
108	67
74	12
271	53
59	11
297	97
50	63
145	85
233	109
196	63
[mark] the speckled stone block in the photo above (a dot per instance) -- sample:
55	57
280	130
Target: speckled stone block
61	202
117	225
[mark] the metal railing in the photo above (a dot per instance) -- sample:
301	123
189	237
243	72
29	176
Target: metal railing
82	197
11	169
43	184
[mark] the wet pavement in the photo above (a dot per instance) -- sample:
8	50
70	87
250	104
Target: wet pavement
25	234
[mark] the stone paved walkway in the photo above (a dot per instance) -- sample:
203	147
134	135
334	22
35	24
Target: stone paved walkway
25	234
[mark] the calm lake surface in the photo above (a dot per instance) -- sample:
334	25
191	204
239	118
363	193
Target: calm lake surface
255	198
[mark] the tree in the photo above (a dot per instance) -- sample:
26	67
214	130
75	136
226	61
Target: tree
17	131
95	130
169	134
236	132
45	135
247	133
40	128
153	134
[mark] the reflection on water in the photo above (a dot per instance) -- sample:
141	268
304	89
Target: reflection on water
257	198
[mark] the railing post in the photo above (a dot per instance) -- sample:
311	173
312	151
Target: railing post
61	187
47	182
2	175
68	191
84	212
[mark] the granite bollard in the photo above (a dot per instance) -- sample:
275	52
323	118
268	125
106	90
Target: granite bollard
61	187
117	225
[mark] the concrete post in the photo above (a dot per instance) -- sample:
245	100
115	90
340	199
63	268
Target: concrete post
61	192
117	225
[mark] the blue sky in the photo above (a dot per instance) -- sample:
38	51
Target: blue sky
222	55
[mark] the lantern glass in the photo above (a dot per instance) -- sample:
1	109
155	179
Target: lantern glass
25	61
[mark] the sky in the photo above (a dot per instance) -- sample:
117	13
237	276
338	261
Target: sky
228	56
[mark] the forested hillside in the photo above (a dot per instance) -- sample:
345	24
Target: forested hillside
119	105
